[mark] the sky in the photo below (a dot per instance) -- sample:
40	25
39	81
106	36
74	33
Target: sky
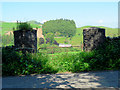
83	13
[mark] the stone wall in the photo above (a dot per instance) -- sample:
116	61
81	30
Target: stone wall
25	40
92	38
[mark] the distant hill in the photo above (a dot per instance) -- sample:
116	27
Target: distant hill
78	38
112	32
33	22
8	26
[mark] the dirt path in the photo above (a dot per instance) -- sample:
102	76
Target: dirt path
107	79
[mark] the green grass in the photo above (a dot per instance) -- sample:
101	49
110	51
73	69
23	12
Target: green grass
6	26
57	50
106	57
60	40
111	32
78	38
64	53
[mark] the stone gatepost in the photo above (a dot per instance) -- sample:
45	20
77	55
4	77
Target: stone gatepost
26	40
92	38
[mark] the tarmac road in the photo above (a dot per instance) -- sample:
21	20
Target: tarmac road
104	79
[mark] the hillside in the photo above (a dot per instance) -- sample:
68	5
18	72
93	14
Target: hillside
8	26
111	32
34	22
78	38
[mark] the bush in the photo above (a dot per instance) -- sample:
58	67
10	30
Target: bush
7	40
41	40
16	63
106	57
24	26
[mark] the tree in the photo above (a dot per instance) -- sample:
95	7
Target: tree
50	38
65	27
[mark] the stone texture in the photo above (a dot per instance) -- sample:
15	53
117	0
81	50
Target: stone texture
25	40
92	38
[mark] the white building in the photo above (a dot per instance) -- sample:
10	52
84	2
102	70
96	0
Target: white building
65	45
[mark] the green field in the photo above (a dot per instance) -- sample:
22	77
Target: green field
76	40
8	26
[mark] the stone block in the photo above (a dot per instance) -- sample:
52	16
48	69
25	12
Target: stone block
92	38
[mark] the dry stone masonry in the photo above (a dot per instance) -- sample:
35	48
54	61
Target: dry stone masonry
25	40
92	38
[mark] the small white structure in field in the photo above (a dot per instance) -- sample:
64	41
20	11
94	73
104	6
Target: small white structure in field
65	45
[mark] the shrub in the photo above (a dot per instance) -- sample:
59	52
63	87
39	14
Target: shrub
16	63
50	38
7	40
107	55
24	26
41	40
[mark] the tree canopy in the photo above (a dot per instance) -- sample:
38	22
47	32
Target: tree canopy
65	27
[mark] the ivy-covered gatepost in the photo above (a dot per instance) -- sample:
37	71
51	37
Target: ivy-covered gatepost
25	39
92	38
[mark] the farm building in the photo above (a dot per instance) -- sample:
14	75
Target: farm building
65	45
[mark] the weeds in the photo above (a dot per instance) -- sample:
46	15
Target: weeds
106	57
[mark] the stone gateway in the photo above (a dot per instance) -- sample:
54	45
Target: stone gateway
25	40
92	38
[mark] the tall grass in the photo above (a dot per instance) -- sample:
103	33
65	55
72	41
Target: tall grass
105	57
16	63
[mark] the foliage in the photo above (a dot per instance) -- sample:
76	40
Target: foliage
16	63
65	27
57	34
0	41
24	26
76	39
50	38
7	40
41	40
56	49
8	26
106	57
